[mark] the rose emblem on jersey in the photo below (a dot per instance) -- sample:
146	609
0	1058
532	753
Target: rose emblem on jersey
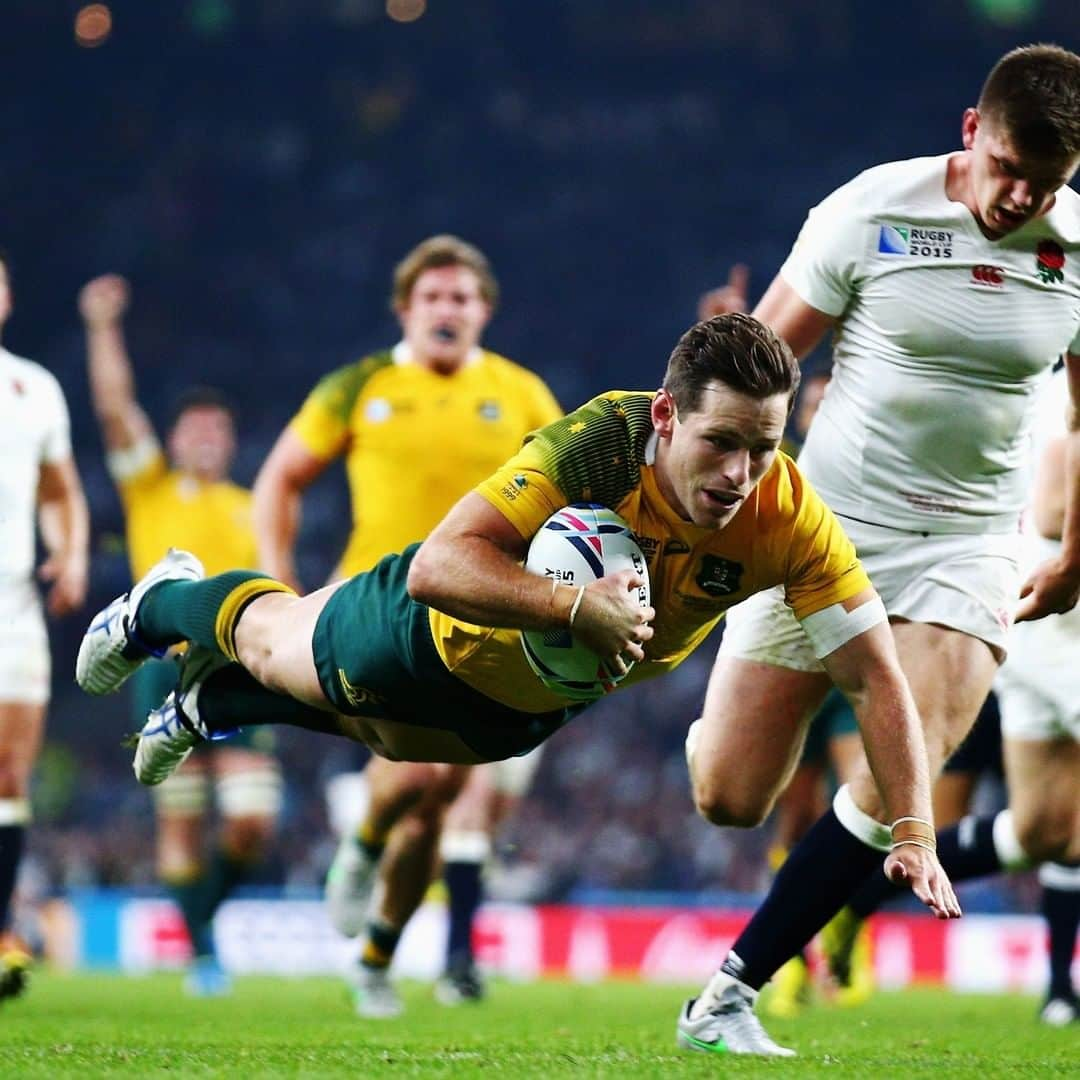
719	577
1050	261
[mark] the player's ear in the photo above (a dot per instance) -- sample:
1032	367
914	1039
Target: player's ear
968	127
664	413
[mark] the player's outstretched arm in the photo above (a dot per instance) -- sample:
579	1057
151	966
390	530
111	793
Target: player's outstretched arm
102	304
64	522
470	567
1054	586
866	669
279	487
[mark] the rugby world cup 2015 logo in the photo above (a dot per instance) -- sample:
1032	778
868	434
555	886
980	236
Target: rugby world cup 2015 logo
894	240
1050	262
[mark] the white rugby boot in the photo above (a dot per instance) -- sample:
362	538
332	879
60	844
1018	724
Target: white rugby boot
110	651
350	882
728	1026
374	996
174	728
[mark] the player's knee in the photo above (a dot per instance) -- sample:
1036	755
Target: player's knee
247	836
722	805
1045	836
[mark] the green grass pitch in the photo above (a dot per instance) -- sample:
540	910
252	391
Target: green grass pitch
109	1025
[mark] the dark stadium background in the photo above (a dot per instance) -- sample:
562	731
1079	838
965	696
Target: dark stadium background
256	167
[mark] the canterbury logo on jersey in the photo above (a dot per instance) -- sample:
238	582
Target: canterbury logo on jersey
986	276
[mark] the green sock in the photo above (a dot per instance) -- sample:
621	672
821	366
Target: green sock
222	876
233	697
189	897
177	611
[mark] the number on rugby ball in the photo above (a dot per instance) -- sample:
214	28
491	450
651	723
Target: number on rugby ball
576	545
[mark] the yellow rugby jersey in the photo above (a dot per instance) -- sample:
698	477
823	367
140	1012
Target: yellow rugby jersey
415	441
783	534
164	508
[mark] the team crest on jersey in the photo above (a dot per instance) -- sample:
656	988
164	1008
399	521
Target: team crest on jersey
719	577
489	409
1050	262
915	240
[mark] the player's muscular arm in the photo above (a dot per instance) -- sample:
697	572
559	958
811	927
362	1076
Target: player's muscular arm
64	522
799	324
102	304
470	567
287	471
867	671
1054	586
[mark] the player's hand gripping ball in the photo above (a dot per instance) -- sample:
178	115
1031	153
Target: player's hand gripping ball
576	545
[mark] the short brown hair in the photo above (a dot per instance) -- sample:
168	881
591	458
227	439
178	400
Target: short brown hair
735	350
438	251
1033	94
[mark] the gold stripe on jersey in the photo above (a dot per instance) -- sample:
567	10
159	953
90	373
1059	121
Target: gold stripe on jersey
783	534
415	440
164	508
232	607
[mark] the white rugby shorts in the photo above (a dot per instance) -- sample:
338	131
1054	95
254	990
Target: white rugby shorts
968	582
513	776
1038	688
24	644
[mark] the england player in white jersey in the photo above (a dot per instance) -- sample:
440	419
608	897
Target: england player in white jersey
1039	691
951	286
38	481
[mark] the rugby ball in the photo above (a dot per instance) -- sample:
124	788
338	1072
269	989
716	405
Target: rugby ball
576	545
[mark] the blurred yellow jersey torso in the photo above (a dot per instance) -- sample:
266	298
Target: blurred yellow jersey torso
415	441
782	535
164	508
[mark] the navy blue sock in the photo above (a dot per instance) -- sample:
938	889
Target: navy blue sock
12	840
464	883
965	850
817	878
1061	909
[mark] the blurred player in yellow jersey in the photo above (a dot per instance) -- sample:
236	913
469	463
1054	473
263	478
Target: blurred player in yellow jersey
180	494
384	414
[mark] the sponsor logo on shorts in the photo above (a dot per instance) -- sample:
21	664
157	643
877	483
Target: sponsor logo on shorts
987	276
719	577
926	243
1050	262
357	696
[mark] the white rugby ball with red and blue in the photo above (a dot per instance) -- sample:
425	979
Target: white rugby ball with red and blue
576	545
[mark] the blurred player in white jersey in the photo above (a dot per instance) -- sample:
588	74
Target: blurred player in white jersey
952	284
38	479
1039	691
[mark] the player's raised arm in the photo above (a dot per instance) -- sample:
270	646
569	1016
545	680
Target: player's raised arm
786	312
1054	586
868	672
470	567
727	299
287	471
64	522
102	304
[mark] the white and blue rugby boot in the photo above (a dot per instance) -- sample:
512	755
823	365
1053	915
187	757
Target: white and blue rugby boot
111	651
727	1024
174	728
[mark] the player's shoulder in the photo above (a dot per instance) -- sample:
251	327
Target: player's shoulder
1064	217
614	414
339	388
894	185
32	380
508	369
